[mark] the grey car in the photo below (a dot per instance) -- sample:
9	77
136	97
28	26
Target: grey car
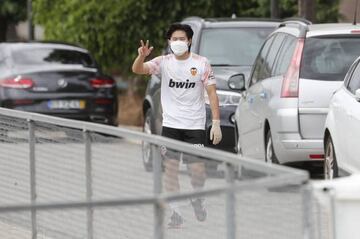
231	45
281	115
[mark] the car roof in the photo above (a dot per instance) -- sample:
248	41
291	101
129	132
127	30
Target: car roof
332	29
303	28
13	46
234	22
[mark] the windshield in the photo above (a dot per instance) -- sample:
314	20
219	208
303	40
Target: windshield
328	58
39	56
232	46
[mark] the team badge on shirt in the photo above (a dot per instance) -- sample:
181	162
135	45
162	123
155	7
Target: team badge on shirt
193	71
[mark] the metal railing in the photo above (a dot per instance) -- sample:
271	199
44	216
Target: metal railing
73	179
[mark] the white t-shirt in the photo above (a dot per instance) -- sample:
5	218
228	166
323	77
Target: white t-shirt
182	89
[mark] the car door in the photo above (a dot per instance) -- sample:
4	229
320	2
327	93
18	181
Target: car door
248	123
351	124
266	91
324	63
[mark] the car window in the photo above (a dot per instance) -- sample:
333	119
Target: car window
232	46
354	82
328	58
271	56
195	36
284	57
259	63
37	56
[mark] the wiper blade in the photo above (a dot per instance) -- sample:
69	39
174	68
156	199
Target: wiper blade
222	65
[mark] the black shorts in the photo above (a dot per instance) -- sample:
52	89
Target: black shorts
192	136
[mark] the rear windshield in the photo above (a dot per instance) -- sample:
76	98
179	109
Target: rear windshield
40	56
232	46
328	58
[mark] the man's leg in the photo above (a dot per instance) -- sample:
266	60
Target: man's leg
172	175
198	174
198	177
196	165
171	181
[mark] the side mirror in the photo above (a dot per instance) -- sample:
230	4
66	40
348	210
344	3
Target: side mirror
237	82
357	95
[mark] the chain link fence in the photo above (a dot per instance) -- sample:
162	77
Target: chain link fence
61	178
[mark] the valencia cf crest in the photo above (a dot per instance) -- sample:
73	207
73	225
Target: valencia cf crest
193	71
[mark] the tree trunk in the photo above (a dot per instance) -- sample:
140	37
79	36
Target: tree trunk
307	9
3	29
275	9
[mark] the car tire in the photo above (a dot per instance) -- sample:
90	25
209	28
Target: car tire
146	146
330	163
270	156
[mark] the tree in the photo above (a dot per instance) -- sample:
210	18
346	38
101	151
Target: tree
111	29
10	12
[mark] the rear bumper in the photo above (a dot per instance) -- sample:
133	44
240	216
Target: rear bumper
99	113
104	116
289	145
289	151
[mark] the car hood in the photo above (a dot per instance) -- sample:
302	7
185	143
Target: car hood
223	73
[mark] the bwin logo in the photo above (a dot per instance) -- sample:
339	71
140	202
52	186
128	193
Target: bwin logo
180	84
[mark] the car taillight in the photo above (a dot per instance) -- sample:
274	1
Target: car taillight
290	86
102	83
23	102
18	82
103	101
316	156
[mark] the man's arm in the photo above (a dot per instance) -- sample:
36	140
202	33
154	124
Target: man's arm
215	132
214	101
138	66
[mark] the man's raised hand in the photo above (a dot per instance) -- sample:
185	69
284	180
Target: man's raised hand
144	50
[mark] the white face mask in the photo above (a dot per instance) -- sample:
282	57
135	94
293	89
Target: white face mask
179	47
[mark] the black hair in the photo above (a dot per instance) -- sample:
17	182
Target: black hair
180	27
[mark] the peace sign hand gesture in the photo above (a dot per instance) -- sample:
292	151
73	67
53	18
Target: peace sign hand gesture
144	49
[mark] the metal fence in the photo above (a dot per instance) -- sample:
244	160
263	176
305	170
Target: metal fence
62	178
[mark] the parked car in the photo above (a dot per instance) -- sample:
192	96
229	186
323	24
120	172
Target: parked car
281	115
342	127
56	79
231	46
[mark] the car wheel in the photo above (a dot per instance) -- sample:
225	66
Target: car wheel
270	156
330	164
146	146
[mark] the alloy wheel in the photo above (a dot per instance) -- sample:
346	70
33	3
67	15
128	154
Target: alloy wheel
329	160
269	151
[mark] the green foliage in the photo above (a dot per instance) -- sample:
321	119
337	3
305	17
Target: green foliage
112	29
327	11
13	11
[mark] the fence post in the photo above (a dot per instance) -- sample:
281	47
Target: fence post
89	192
158	207
32	177
308	212
230	202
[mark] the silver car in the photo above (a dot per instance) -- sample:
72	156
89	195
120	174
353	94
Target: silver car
281	115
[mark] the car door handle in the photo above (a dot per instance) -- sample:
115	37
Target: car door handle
350	114
336	105
262	95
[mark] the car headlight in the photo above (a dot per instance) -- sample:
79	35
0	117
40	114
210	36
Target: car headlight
225	97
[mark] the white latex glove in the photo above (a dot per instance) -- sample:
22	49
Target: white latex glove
215	132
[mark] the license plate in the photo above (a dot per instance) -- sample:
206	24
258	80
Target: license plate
66	104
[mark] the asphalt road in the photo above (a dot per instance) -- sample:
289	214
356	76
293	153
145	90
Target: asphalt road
118	173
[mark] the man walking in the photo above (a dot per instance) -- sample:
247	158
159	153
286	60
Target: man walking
184	77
